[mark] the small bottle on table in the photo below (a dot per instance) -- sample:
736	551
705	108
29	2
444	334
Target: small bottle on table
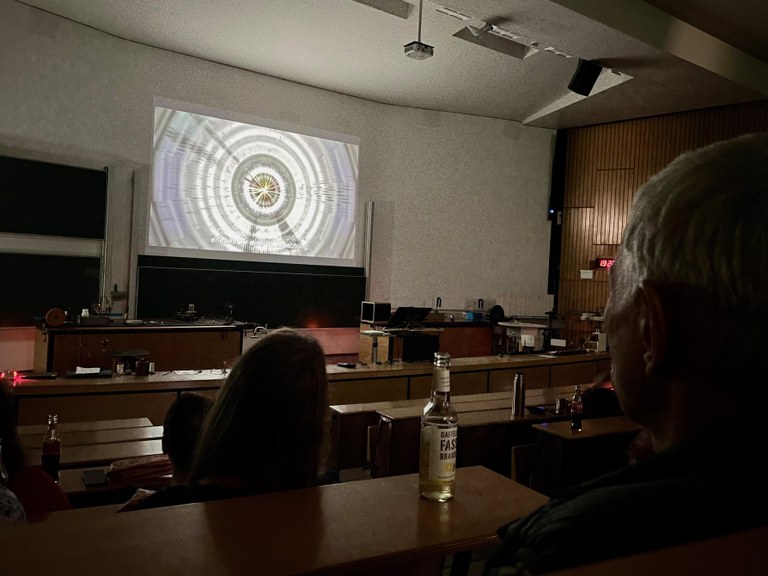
51	452
439	430
518	395
577	409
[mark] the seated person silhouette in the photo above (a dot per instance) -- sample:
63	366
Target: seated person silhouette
181	431
37	492
686	322
600	399
267	430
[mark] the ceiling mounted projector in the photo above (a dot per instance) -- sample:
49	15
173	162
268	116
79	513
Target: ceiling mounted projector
418	51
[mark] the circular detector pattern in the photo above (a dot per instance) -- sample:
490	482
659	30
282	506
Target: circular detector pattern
229	186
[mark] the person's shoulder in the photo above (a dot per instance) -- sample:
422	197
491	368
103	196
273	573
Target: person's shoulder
33	475
37	491
11	509
655	503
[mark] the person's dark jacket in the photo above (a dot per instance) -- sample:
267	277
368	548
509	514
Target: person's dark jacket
706	489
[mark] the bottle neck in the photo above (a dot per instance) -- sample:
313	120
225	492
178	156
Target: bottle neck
441	380
52	433
441	385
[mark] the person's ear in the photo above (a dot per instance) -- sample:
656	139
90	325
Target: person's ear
653	326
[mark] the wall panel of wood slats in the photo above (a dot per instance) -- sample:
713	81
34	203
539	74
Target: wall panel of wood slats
605	164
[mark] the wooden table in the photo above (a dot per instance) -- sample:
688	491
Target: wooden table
92	445
100	454
370	526
486	436
350	422
564	457
66	427
81	399
591	428
86	437
82	496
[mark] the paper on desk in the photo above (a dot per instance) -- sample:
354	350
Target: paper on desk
187	372
81	370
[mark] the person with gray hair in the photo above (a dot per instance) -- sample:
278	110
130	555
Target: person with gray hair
687	325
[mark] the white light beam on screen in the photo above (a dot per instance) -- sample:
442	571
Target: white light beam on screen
221	186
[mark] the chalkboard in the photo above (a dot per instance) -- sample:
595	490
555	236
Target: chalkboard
33	284
42	198
264	293
52	199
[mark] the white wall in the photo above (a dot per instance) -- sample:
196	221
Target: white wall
459	201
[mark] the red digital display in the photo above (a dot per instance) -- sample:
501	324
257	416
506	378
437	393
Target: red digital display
604	262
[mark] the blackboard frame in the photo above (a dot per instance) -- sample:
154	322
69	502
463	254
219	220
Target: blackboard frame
53	226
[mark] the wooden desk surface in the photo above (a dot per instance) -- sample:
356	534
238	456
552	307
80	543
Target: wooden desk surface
479	403
100	454
214	377
85	437
39	429
340	528
460	365
591	427
162	381
344	409
71	483
504	416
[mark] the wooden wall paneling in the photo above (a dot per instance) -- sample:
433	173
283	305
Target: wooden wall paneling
169	349
577	227
605	165
467	341
615	190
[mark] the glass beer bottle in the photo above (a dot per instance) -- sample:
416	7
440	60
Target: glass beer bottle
437	457
51	453
577	409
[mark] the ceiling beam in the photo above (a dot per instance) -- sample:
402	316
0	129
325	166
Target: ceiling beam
673	36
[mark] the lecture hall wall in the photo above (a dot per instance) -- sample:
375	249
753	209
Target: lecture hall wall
459	201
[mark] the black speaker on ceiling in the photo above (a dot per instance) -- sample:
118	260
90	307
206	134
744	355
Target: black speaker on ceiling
585	77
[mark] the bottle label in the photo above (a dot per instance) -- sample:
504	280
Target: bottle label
51	446
440	445
441	380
